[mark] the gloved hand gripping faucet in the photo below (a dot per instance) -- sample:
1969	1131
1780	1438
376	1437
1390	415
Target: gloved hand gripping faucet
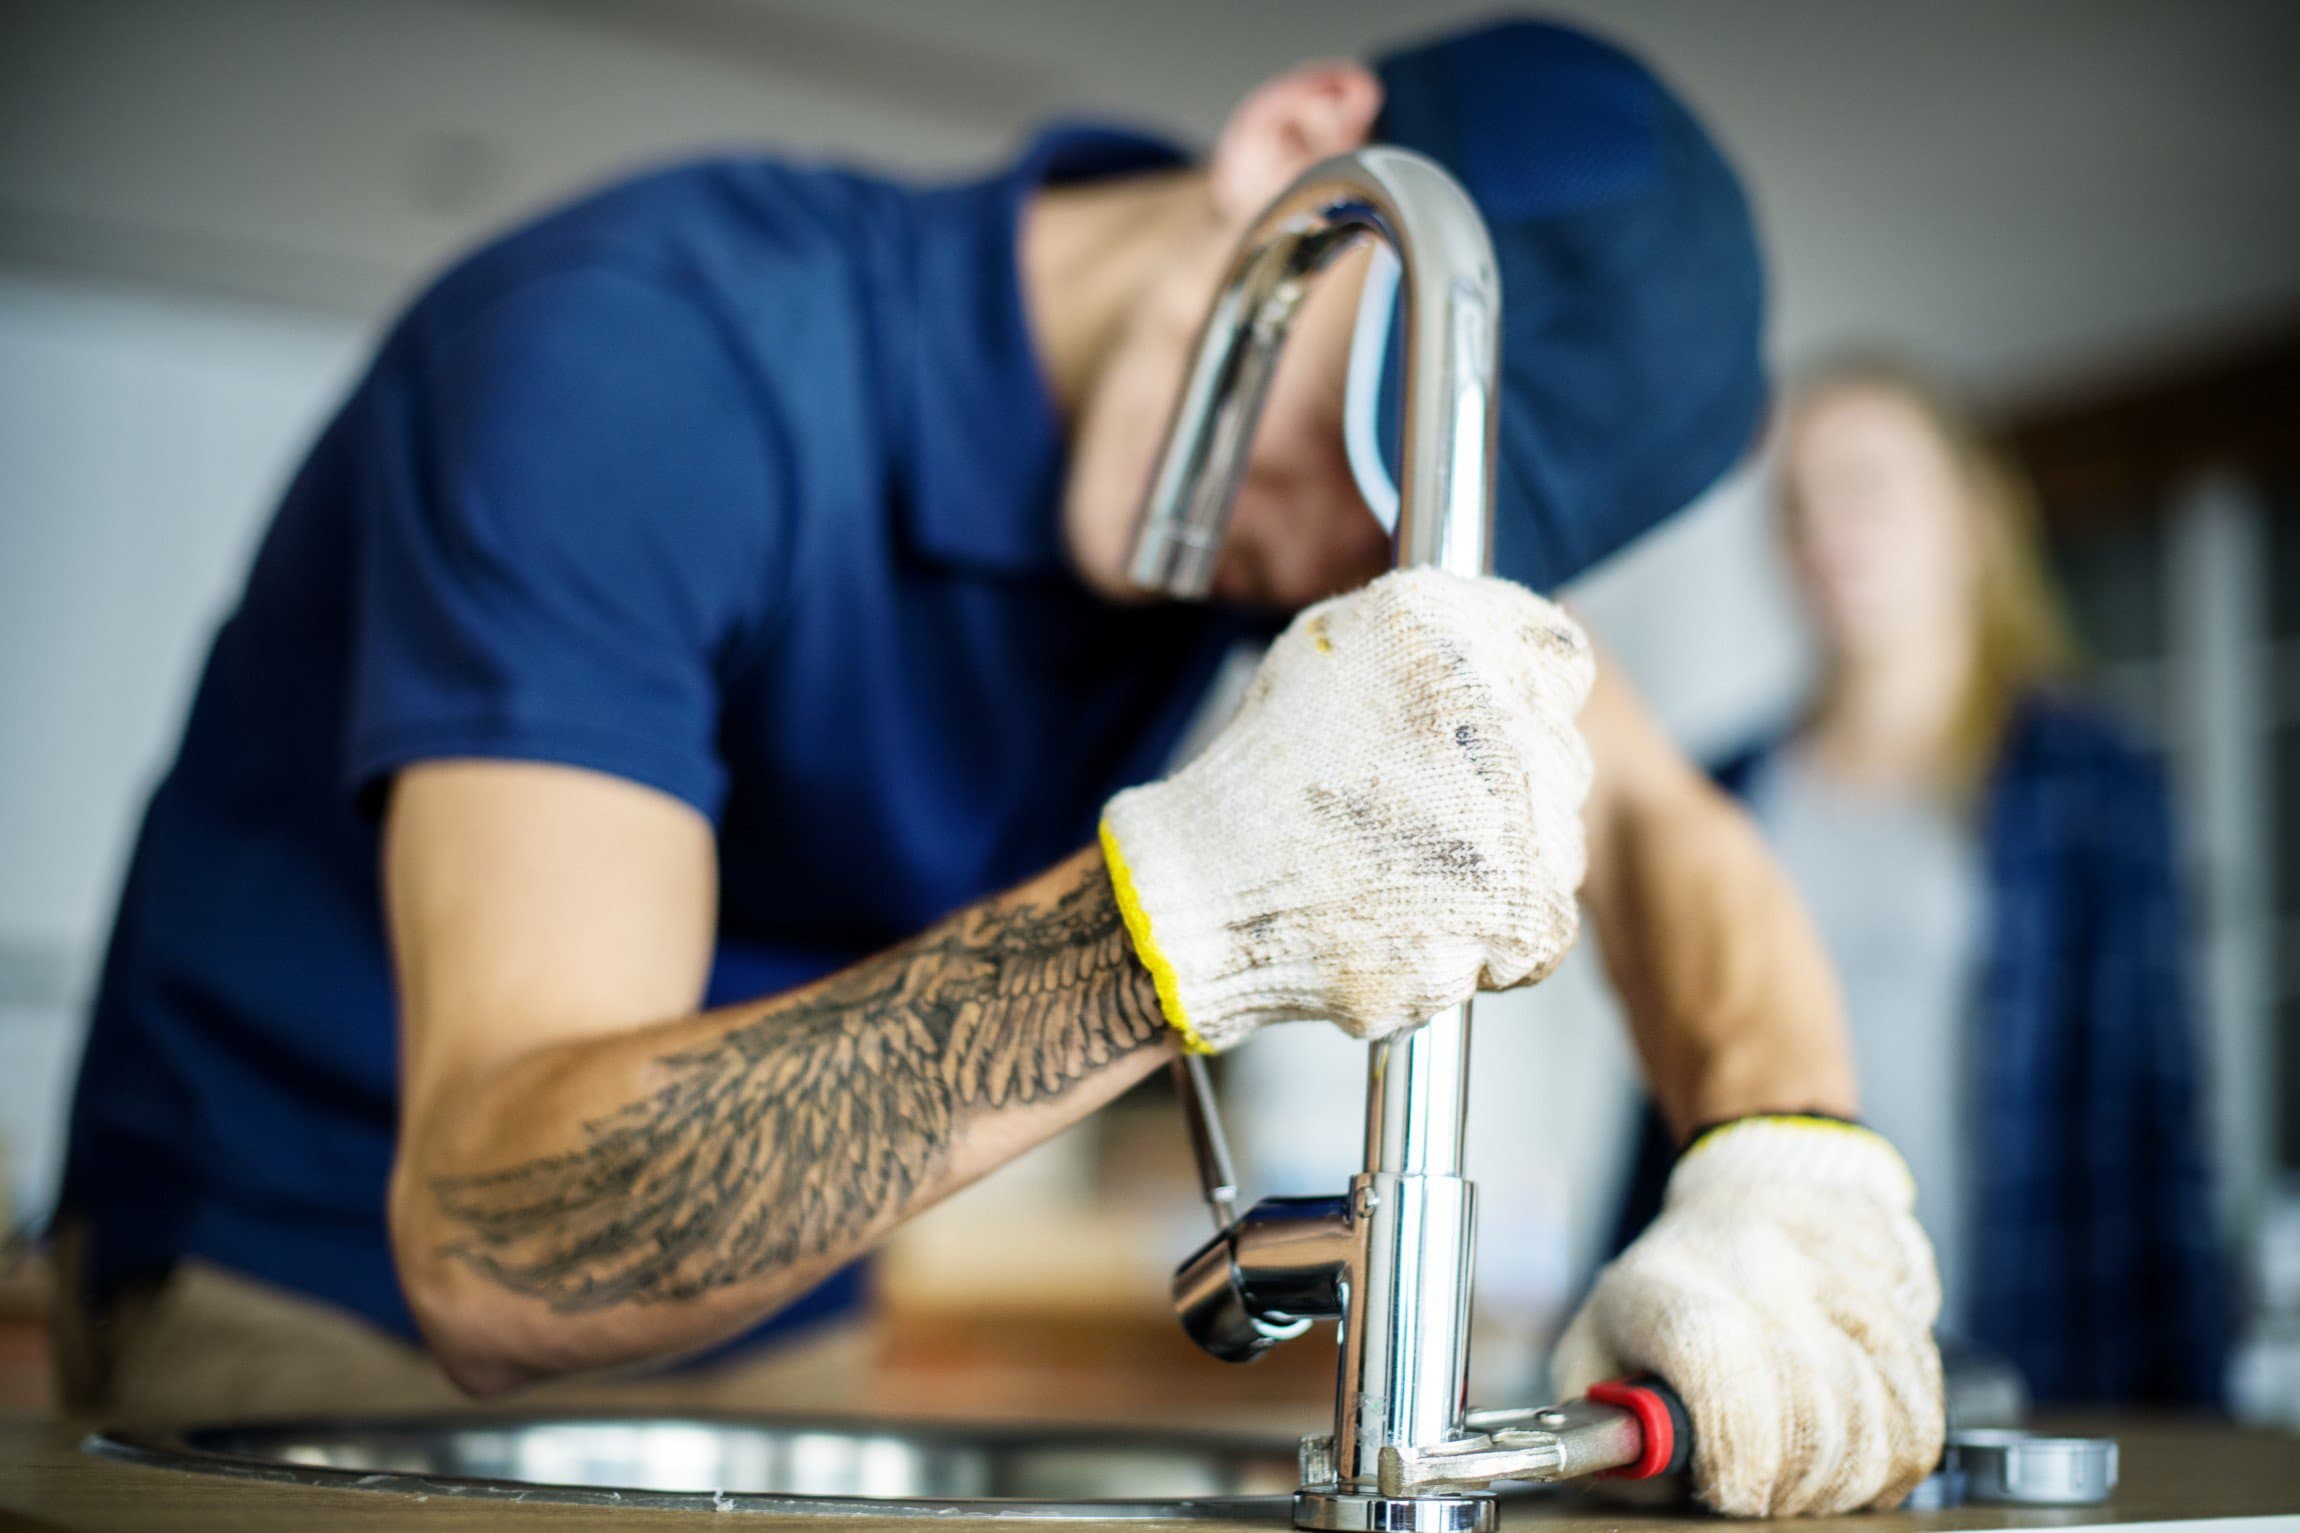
1391	822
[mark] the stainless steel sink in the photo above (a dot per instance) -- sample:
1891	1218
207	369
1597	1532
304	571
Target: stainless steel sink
750	1464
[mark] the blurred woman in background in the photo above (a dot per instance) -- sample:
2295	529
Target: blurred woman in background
1993	869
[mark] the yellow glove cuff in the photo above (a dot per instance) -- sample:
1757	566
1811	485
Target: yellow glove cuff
1146	946
1797	1147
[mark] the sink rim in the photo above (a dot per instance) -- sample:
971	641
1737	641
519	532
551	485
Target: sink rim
178	1447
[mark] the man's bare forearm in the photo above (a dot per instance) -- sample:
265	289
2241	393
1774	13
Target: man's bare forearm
641	1195
1730	995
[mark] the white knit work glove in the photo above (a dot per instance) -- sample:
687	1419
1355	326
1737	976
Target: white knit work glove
1391	822
1788	1295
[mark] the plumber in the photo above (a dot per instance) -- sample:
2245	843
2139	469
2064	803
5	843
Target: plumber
680	790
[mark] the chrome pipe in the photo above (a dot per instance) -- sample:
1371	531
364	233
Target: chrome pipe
1417	1098
1405	1289
1405	1354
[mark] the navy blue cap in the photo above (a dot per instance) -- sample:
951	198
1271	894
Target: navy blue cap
1632	293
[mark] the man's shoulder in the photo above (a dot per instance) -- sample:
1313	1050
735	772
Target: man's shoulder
729	233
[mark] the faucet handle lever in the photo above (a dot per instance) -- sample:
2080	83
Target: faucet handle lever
1216	1177
1628	1429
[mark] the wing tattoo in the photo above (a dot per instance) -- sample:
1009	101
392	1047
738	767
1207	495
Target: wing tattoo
801	1132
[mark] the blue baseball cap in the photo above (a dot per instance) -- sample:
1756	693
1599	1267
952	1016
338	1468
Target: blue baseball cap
1632	293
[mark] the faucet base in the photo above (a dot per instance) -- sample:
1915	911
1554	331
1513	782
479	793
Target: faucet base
1349	1511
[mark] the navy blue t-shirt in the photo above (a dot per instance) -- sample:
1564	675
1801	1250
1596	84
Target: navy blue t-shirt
739	480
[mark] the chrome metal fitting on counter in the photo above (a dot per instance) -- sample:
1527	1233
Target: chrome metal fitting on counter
1344	1511
2009	1468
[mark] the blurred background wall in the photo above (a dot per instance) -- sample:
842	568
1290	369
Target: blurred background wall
208	207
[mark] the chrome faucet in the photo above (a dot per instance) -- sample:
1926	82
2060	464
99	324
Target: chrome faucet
1391	1259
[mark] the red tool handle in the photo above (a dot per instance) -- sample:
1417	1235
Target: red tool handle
1661	1418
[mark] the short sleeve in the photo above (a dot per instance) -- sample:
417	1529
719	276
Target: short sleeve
574	523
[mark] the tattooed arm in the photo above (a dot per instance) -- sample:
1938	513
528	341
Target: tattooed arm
591	1173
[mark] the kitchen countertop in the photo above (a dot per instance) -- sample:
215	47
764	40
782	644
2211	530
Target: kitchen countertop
2191	1474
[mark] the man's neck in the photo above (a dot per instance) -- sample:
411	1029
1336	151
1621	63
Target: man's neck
1091	254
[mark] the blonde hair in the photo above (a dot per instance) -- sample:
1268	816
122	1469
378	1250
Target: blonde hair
2021	639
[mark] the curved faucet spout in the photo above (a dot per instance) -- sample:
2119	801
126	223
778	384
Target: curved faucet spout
1452	295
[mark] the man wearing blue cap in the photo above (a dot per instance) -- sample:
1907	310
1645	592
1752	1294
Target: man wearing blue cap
676	796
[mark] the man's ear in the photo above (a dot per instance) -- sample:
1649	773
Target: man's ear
1286	125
